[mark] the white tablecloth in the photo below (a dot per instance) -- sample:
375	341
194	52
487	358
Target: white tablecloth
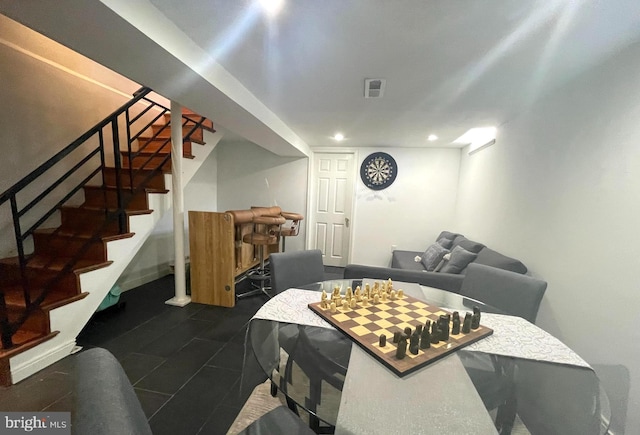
512	336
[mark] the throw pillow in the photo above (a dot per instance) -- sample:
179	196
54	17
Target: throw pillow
460	258
444	260
471	246
445	243
432	256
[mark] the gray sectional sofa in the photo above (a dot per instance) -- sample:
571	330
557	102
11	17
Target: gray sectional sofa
445	275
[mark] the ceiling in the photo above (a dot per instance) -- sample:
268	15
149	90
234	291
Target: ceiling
450	65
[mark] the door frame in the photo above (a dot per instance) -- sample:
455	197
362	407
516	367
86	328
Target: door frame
312	189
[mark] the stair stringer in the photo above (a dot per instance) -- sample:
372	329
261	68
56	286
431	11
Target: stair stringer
71	318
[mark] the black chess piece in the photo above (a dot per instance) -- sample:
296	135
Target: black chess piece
443	323
401	352
455	329
475	320
425	339
466	326
396	336
383	340
435	333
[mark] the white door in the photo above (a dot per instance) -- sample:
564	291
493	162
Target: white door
332	180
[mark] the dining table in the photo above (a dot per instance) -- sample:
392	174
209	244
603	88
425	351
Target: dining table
520	379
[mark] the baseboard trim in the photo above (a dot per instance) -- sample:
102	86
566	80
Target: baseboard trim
32	366
151	274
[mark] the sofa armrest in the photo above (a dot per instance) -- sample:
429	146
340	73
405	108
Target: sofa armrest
105	400
445	281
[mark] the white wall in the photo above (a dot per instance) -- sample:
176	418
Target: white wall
560	190
154	258
252	176
412	211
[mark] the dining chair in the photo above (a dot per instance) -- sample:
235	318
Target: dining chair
278	421
551	396
514	293
295	268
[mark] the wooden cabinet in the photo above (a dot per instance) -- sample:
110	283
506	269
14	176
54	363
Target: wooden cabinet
218	256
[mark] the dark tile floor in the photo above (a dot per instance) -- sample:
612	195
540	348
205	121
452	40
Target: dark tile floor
185	363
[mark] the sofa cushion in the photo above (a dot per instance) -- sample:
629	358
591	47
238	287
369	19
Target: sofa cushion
456	241
459	260
406	260
432	256
489	257
471	246
447	235
445	243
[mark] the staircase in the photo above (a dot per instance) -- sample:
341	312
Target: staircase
62	272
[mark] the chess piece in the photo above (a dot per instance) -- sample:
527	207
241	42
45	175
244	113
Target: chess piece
353	304
466	326
455	330
414	340
425	339
400	294
324	296
323	304
392	295
396	336
345	305
443	325
383	340
475	319
414	348
407	331
435	333
376	299
419	329
349	294
401	352
333	307
384	296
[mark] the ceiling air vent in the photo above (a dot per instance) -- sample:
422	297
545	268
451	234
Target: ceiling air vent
374	88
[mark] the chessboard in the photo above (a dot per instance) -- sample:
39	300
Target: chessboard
365	324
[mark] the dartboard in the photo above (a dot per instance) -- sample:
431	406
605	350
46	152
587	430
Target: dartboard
378	171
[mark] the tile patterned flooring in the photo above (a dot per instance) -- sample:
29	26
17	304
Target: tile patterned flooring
185	363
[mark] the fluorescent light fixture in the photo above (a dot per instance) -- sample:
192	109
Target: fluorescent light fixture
478	138
432	137
338	136
272	7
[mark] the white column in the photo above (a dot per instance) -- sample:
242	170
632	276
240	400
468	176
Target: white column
180	299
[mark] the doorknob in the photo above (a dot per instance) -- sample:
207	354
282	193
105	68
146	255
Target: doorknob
346	221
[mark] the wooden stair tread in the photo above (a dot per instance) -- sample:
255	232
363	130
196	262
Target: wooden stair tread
14	297
29	340
110	210
81	235
56	263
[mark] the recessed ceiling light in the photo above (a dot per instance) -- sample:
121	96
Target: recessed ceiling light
271	7
338	137
432	137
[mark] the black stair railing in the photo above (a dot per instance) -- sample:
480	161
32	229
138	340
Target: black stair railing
37	197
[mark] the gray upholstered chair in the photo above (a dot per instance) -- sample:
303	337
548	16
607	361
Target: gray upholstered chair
514	293
279	421
290	269
105	400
